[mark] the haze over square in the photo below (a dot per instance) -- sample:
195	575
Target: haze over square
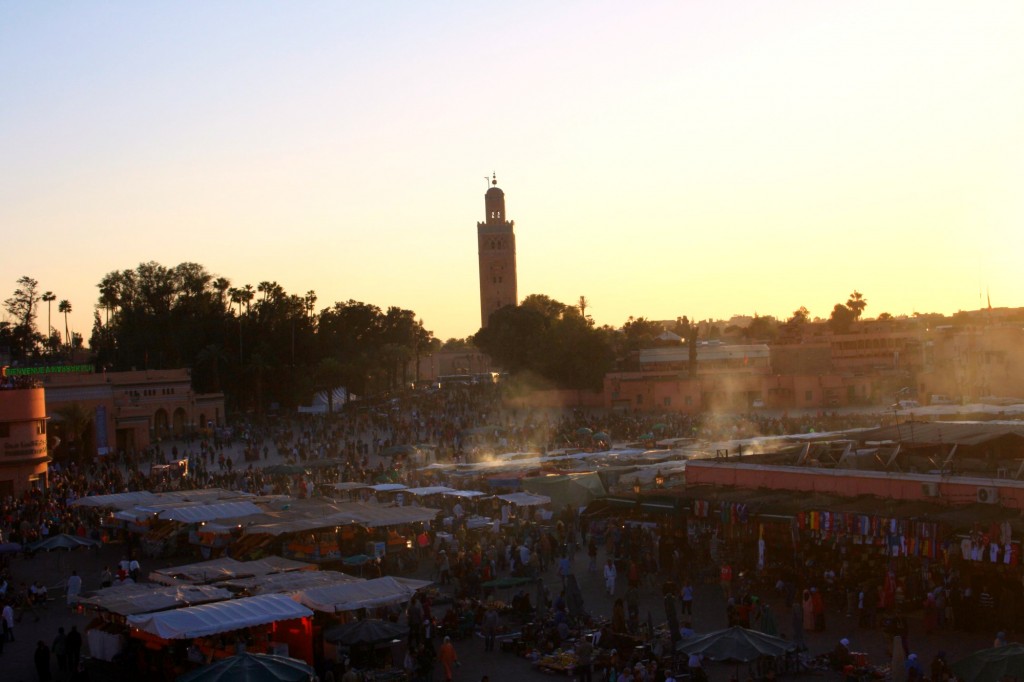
662	159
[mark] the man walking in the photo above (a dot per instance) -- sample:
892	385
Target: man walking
73	646
7	616
610	574
74	589
60	651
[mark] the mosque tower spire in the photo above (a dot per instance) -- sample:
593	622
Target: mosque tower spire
496	250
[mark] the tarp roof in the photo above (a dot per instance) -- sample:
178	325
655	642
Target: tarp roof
525	499
225	616
116	500
358	595
350	485
430	490
197	513
134	598
576	490
343	514
288	582
225	568
948	433
160	500
465	493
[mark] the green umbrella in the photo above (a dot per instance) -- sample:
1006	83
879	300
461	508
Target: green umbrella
601	435
992	664
584	431
248	667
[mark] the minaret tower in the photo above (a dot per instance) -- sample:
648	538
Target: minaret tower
496	247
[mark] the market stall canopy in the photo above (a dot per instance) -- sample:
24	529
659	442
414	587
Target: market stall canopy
197	513
344	514
62	541
225	568
116	500
388	487
735	644
368	631
350	485
576	490
465	493
992	664
525	499
146	498
430	490
224	616
288	582
133	598
246	667
358	595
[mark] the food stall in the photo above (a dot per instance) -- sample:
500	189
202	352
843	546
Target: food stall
270	623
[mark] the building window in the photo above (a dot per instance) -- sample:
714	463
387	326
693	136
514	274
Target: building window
5	430
41	427
639	398
667	402
808	396
689	400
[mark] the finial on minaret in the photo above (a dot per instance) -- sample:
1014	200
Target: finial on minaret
494	180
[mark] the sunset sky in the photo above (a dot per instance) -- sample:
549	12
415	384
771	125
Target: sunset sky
699	158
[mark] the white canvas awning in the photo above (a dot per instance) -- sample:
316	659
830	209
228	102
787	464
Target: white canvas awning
465	493
344	514
350	485
197	513
116	500
358	595
225	568
430	490
388	487
134	598
525	499
225	616
289	582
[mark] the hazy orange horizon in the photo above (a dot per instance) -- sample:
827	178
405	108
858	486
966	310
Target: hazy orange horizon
705	159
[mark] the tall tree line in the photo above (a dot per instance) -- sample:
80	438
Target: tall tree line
259	344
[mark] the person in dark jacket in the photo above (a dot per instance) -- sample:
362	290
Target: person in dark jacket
42	661
73	647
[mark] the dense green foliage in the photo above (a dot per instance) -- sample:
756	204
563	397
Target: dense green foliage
259	345
550	339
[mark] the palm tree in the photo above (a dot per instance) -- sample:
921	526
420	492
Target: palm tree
222	285
310	301
583	304
247	294
65	307
856	303
75	421
49	297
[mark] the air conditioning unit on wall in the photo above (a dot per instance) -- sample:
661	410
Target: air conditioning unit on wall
930	489
988	495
